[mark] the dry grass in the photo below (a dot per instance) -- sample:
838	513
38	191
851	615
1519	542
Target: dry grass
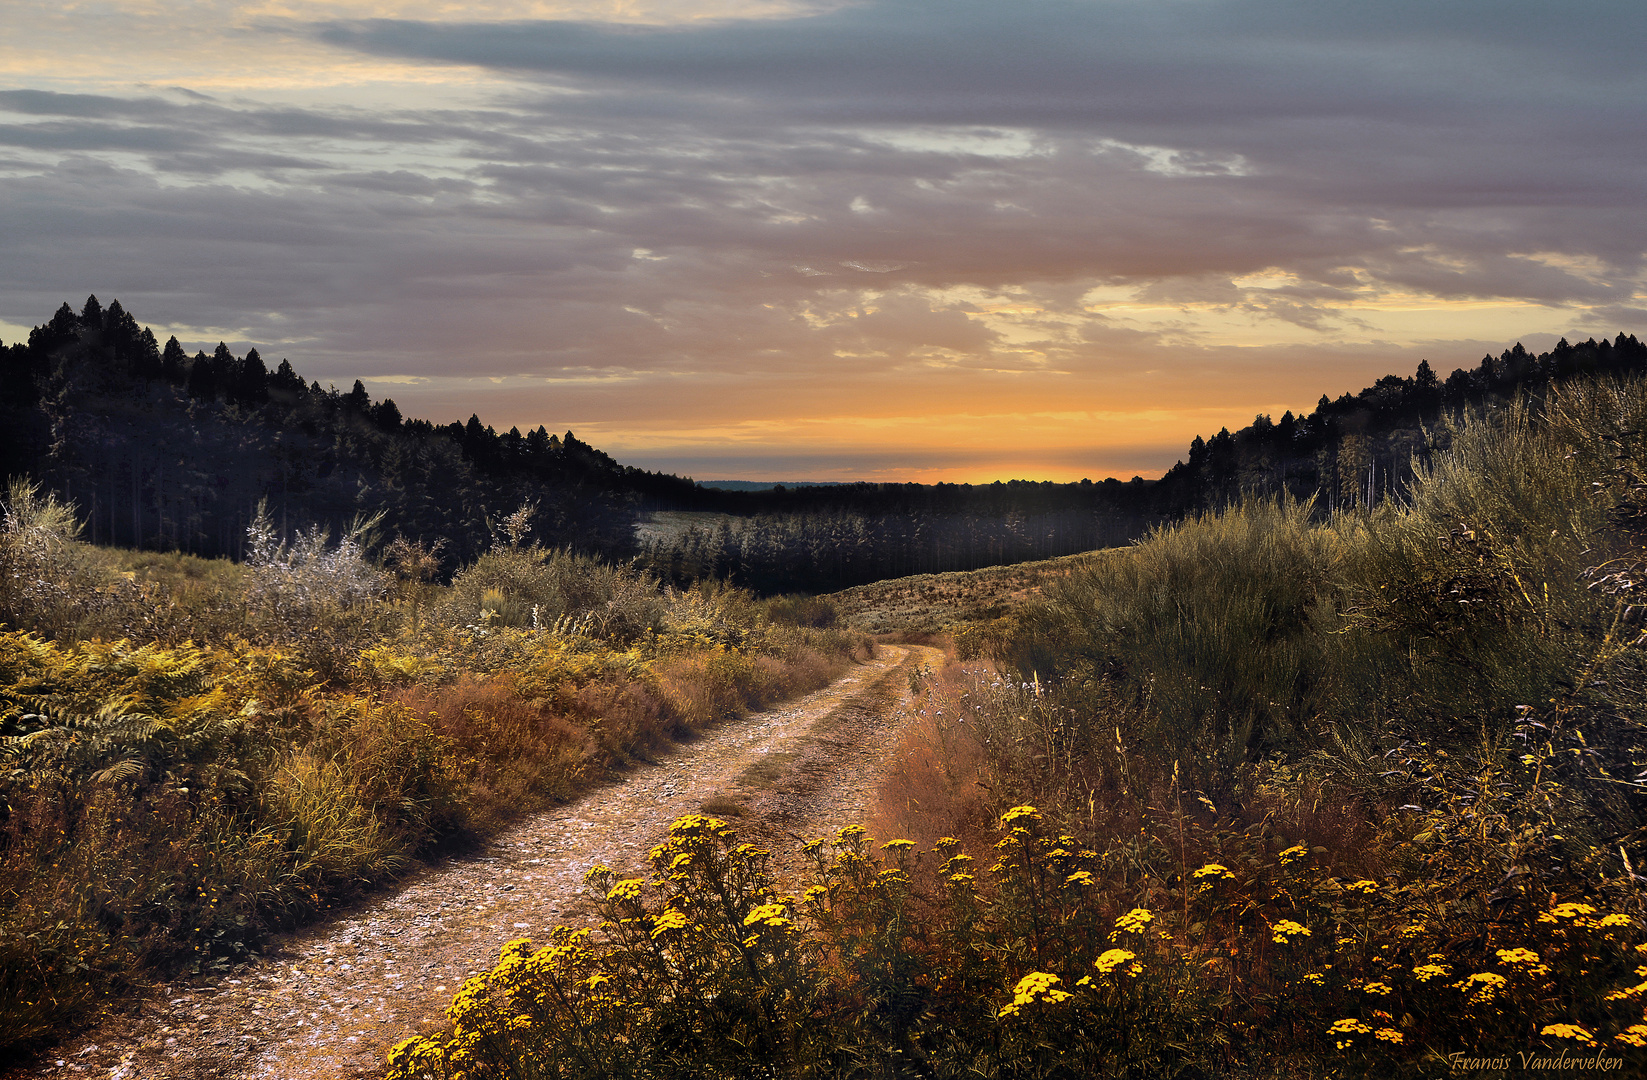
930	603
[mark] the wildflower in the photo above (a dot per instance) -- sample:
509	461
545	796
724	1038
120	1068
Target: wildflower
1426	972
1614	919
1634	1035
1294	853
1036	986
627	889
1626	994
767	915
1285	930
1481	987
1389	1035
961	879
1080	877
1112	959
1569	1031
1315	978
1378	989
1412	931
1572	912
1215	871
1349	1028
1134	921
1017	813
897	845
1364	887
670	920
1523	960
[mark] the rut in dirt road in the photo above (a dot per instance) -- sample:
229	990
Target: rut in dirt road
329	1001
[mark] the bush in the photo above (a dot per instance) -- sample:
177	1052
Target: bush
1051	962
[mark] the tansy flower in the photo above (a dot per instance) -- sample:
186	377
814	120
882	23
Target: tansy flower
1017	813
1215	871
1377	988
897	845
1294	853
1284	931
1634	1035
627	889
1036	986
1112	959
1364	887
1389	1035
670	920
1573	912
1080	877
767	915
1348	1029
1315	979
1569	1031
1481	987
1426	972
1134	921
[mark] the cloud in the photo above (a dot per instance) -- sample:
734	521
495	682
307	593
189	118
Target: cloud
1059	194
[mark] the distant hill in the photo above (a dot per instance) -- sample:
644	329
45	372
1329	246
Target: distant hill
766	485
163	450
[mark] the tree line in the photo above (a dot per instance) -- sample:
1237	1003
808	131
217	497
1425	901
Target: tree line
160	449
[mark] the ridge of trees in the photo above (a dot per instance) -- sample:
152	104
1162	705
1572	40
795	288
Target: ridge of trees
161	449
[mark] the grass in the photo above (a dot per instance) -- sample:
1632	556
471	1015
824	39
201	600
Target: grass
1272	793
204	753
933	603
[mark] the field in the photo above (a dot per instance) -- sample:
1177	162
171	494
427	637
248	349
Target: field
1274	792
932	603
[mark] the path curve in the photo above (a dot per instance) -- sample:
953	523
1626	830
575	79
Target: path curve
328	1001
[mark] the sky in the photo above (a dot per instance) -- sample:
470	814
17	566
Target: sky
885	240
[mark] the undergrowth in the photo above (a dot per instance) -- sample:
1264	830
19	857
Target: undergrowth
193	754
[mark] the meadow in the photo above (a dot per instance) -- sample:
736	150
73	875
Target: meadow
1273	793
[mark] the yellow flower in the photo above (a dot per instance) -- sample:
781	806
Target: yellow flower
1364	887
1112	959
1036	986
1614	919
1294	853
1377	988
1134	921
1426	972
1026	813
1634	1035
1315	979
897	845
1481	987
1629	992
1215	871
627	889
1348	1028
1080	877
1284	931
1569	1031
1389	1035
1572	912
767	915
670	920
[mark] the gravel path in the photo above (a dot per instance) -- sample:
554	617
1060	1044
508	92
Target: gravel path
328	1001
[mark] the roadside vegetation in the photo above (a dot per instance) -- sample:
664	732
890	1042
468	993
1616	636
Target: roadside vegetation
1275	792
194	753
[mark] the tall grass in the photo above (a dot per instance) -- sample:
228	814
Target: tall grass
211	752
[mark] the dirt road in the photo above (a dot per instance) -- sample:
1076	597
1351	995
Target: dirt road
329	1001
